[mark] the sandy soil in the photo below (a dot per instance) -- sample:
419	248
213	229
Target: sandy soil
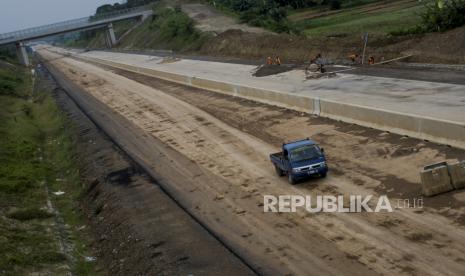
231	139
208	19
443	75
137	228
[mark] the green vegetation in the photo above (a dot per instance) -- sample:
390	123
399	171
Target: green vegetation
174	29
335	4
342	21
437	16
270	17
269	14
126	5
96	38
376	18
345	4
29	213
7	53
396	17
441	15
9	82
273	14
35	155
352	23
170	28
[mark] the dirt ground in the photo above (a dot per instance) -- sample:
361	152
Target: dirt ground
208	19
228	140
446	47
409	73
122	204
242	41
454	74
234	40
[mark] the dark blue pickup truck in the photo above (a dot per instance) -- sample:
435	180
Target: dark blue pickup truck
300	159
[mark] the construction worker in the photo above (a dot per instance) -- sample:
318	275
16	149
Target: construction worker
318	59
277	60
371	60
353	57
269	61
320	62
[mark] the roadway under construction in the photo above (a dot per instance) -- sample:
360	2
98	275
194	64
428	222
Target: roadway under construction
209	151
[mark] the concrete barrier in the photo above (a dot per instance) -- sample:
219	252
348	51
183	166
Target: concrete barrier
212	85
435	179
457	174
440	131
436	130
291	101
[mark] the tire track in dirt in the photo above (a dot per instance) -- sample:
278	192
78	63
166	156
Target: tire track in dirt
207	140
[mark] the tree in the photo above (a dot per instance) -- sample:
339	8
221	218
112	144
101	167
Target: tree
104	9
441	15
335	4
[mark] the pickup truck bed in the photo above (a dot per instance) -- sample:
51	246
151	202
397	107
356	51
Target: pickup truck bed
278	155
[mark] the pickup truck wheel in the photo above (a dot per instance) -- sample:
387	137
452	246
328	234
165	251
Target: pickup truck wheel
323	175
279	172
291	179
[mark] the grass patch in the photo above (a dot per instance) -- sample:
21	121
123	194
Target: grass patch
169	29
11	84
174	29
96	38
8	53
50	257
29	213
25	249
35	150
357	20
437	16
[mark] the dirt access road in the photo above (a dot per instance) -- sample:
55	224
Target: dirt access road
212	152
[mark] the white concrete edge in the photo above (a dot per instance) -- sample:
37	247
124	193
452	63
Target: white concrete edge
448	128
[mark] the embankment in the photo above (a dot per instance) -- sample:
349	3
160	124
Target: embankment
138	228
409	124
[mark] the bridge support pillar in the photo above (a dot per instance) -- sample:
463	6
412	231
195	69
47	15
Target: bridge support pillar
22	54
144	17
110	36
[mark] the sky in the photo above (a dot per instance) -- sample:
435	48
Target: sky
20	14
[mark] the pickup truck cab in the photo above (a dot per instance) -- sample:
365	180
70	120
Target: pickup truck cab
299	160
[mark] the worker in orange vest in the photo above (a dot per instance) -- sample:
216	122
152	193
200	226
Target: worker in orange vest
269	61
371	60
353	57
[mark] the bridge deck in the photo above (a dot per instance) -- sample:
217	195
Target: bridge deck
72	25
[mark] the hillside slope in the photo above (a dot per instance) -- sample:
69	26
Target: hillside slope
334	34
380	17
208	19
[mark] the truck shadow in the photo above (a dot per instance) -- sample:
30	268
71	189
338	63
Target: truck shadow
309	183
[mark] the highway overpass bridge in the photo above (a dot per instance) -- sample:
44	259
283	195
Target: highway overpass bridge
19	38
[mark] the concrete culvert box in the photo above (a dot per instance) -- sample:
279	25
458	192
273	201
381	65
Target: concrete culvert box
435	179
457	174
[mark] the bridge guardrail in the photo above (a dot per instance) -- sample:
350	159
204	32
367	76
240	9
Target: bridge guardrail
21	34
